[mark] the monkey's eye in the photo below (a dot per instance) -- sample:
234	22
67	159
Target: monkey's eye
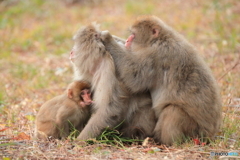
96	36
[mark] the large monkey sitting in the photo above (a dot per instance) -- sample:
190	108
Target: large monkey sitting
183	90
113	103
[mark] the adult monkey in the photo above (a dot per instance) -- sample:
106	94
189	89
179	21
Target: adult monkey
113	103
183	90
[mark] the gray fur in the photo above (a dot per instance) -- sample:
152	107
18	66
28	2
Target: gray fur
184	92
112	101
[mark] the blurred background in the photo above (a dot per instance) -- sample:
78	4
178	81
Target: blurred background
36	39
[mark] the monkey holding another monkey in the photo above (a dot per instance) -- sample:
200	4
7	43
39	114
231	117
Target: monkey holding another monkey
71	109
184	93
179	95
113	103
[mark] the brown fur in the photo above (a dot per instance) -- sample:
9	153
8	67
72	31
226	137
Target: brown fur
55	115
93	63
140	120
184	92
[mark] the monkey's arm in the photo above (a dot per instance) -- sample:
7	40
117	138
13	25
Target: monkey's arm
109	114
109	111
102	119
136	72
62	120
118	39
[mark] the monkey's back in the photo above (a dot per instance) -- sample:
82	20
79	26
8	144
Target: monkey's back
46	117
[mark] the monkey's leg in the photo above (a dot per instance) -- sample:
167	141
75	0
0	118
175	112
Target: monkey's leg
47	129
63	130
173	125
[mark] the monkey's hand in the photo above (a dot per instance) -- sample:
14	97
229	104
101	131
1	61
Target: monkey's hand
119	40
106	36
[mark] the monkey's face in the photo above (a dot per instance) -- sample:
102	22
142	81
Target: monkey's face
144	32
85	96
137	39
80	92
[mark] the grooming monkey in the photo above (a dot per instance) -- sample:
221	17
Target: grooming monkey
184	93
57	115
113	103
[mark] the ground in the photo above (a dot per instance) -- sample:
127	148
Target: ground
35	42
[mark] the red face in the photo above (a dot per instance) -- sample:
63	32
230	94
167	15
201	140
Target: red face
71	55
86	97
129	41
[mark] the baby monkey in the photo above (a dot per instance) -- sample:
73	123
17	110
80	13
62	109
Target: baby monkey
57	116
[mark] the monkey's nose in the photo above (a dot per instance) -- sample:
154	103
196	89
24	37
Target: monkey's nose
71	55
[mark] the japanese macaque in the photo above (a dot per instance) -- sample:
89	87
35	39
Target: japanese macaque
184	92
113	103
140	119
59	115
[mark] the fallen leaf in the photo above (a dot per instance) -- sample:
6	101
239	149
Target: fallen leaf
196	141
151	150
1	130
203	143
22	136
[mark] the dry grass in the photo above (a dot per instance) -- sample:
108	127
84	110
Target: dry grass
36	37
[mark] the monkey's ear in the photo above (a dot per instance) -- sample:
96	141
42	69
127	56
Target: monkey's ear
70	93
155	32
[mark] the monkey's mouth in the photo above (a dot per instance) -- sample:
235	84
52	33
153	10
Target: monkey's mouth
73	56
88	103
